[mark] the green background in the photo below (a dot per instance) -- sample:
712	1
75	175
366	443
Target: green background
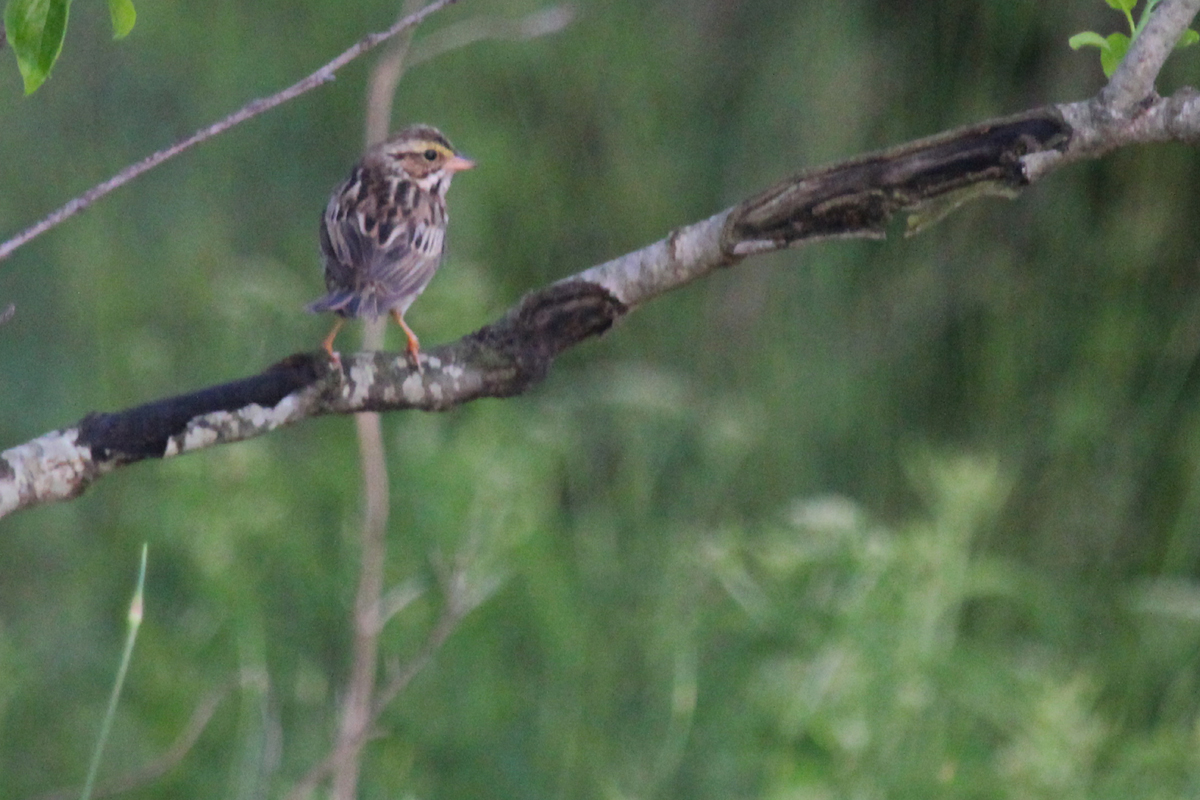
912	518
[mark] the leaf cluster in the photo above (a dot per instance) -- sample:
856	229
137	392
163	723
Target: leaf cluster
35	30
1114	46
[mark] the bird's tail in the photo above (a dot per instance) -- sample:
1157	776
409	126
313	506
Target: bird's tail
348	303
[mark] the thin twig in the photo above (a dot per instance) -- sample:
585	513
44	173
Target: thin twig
248	111
401	678
453	612
462	596
381	86
401	597
478	29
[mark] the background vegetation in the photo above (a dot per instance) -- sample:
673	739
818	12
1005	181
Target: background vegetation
900	519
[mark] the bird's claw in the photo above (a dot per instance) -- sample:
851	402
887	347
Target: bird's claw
414	361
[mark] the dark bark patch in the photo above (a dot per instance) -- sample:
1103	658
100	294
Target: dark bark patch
143	432
858	198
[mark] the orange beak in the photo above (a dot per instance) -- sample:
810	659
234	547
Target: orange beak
457	163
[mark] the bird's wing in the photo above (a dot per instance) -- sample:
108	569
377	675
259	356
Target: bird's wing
377	258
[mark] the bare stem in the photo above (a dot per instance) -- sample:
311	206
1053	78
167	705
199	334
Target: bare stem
360	693
356	713
248	111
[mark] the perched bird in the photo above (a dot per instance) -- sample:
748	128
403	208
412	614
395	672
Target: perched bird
384	229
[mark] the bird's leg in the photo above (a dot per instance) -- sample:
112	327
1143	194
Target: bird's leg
327	345
413	347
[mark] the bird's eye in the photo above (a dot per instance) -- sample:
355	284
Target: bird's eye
431	154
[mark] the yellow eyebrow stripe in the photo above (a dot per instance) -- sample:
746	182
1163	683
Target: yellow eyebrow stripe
422	146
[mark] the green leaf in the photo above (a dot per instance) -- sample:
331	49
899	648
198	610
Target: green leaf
1122	5
123	17
1088	39
35	29
1110	57
1190	37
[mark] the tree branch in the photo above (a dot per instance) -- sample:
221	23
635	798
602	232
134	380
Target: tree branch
922	181
1134	78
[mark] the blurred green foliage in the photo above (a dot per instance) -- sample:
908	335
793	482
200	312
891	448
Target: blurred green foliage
889	519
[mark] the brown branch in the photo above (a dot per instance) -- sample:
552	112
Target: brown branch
1095	131
920	181
365	620
248	111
